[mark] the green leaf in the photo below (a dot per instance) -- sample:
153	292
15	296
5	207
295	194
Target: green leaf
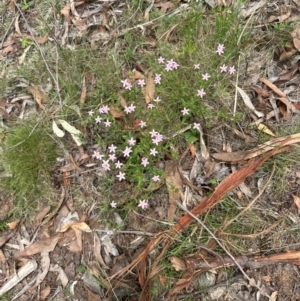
191	137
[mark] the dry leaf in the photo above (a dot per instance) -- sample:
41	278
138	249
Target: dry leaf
46	245
265	129
150	88
283	97
174	185
13	225
40	216
279	18
39	96
83	91
164	6
45	264
66	12
193	151
97	251
248	102
297	202
45	293
122	101
115	112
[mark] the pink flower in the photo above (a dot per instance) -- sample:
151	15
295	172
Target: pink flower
121	176
98	119
97	155
220	49
171	65
105	165
145	161
196	126
127	151
113	204
112	157
91	112
205	76
157	78
158	138
150	106
232	70
104	110
141	82
196	66
223	68
153	133
107	123
153	152
161	60
127	110
157	99
185	111
156	178
143	203
118	164
132	108
126	84
112	148
131	141
142	124
201	93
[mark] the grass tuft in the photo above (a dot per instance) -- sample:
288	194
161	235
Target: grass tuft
29	154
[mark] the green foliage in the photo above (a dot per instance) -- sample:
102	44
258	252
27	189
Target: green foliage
29	154
26	42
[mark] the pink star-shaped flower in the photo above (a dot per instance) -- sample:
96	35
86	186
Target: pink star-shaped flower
97	155
185	111
150	106
196	126
112	157
118	164
127	110
156	178
143	204
112	148
107	123
153	152
220	49
131	141
205	76
132	108
145	161
157	78
121	176
104	109
105	165
91	112
232	70
161	60
223	68
98	119
142	124
113	204
153	133
196	66
157	99
127	151
141	82
201	93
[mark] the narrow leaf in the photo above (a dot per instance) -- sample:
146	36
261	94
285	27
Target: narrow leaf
57	131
